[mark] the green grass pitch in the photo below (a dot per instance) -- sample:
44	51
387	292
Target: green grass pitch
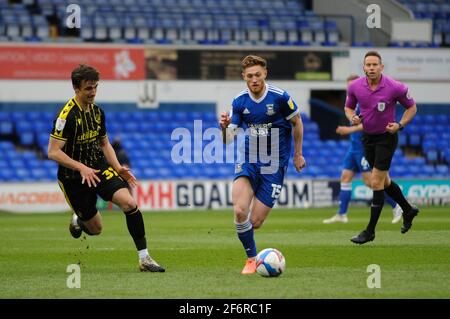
203	257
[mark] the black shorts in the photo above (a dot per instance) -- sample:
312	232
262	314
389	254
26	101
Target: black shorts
83	199
379	149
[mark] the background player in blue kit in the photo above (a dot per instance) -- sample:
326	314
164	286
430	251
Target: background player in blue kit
271	118
355	162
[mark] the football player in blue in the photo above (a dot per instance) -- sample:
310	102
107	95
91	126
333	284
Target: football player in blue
355	162
270	118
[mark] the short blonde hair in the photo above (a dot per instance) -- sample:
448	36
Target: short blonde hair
252	60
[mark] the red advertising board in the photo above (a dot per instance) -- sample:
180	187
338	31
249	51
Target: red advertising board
57	63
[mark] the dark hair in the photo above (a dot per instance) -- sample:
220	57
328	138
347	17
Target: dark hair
84	72
372	53
252	60
352	77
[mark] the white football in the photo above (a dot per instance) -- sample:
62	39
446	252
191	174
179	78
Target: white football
270	262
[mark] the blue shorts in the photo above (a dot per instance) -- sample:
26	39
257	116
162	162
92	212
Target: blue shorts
356	162
267	187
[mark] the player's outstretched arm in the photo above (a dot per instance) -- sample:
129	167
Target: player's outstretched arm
111	157
346	130
55	153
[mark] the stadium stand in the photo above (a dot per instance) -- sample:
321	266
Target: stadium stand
218	22
169	22
439	12
423	145
146	137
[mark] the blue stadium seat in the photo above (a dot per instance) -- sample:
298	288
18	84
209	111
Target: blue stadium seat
429	170
415	140
28	155
39	174
429	144
432	156
6	127
23	174
402	139
414	169
26	138
443	144
447	156
442	170
7	175
442	119
398	171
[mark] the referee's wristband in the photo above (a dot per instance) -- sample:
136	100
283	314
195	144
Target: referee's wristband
400	126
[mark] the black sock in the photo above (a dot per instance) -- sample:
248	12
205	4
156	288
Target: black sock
375	210
135	224
395	192
83	228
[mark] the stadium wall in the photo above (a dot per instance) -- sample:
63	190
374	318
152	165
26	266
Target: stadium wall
41	73
184	92
215	194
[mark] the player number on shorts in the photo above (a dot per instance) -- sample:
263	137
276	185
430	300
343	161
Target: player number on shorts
276	191
109	173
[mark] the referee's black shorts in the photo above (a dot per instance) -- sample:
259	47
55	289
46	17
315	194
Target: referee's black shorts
379	149
83	199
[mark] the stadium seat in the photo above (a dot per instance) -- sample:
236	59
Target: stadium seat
6	127
429	170
432	156
415	140
7	175
442	170
402	139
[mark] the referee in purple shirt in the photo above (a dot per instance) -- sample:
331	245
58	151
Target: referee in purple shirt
377	96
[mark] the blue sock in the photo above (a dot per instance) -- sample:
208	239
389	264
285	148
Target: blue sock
390	200
245	234
345	195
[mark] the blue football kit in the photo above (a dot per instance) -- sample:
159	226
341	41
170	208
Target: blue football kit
354	159
268	136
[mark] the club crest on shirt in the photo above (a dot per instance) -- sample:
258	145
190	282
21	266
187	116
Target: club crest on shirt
60	123
238	168
381	106
270	110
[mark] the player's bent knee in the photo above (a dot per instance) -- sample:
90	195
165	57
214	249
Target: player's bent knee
240	214
128	205
257	224
94	230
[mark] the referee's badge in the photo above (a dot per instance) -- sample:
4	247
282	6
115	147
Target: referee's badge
381	106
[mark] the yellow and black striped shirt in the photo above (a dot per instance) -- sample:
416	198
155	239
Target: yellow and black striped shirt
82	131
